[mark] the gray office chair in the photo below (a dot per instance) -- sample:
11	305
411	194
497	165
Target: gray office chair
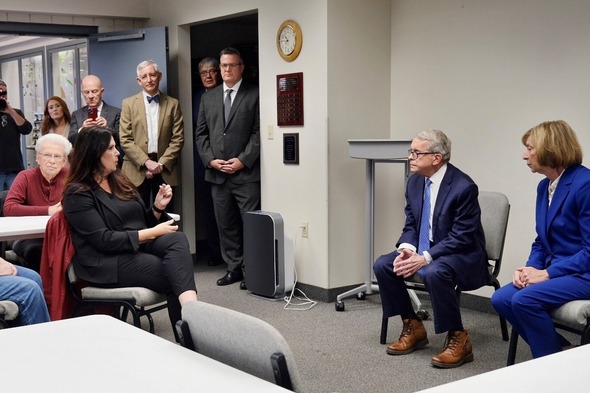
495	210
572	317
240	341
138	301
8	312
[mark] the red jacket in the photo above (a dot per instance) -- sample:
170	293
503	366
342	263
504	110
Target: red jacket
58	251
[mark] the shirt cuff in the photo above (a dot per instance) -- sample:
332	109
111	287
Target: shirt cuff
427	256
406	245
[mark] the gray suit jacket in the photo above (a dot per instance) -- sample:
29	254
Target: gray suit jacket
240	137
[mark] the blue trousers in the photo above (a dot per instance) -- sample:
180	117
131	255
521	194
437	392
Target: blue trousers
26	290
439	280
527	309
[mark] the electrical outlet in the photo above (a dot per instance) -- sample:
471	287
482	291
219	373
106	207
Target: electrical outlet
304	230
271	132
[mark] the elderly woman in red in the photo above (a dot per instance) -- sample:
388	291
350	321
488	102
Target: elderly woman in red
38	192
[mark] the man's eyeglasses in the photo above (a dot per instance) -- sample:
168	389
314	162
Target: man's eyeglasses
49	156
234	65
210	72
3	93
413	154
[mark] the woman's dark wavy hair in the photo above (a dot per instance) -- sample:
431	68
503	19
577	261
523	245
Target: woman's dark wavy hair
85	164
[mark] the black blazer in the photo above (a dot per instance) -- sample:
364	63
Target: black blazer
99	235
240	137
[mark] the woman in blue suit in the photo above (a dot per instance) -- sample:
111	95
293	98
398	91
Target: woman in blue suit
558	268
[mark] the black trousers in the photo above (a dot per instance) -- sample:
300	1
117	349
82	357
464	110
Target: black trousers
30	251
163	265
231	202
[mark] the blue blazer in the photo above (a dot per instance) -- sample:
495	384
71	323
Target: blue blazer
562	245
457	233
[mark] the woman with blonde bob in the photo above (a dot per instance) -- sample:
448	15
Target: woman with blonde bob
558	267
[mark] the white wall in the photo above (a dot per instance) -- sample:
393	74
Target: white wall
485	72
299	193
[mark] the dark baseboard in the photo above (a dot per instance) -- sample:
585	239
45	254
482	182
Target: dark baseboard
469	301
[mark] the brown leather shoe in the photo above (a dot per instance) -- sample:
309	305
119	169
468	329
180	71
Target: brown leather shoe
413	337
458	350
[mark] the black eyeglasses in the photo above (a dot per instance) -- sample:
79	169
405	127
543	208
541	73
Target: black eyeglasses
413	154
210	72
3	93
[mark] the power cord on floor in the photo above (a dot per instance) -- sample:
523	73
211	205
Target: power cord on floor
304	303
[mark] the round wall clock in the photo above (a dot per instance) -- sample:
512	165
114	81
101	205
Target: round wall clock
289	40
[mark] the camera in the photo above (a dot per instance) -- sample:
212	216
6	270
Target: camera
2	104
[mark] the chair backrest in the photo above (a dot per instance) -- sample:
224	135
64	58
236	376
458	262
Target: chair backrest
239	340
495	210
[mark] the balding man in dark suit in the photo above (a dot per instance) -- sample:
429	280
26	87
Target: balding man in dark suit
104	115
228	140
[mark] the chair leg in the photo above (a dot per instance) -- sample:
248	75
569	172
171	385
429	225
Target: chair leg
504	328
512	348
384	323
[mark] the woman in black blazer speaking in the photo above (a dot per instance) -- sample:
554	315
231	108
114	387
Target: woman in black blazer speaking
117	241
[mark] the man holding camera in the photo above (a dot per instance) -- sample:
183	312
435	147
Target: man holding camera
12	125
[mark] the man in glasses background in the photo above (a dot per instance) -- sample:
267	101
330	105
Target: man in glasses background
210	77
442	246
12	125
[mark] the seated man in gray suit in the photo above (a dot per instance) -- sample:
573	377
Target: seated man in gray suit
96	112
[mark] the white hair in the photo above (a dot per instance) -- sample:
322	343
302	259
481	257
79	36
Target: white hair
54	138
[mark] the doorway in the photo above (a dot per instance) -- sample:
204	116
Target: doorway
207	40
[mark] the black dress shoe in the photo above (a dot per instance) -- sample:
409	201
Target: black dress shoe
243	285
230	278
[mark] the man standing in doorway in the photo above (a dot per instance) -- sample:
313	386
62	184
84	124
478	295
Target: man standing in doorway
210	78
96	112
228	141
152	135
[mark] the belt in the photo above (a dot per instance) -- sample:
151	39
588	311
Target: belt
153	156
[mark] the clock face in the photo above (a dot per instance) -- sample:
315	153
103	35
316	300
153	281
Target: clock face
287	40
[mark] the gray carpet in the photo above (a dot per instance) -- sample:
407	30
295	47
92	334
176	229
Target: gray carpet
340	351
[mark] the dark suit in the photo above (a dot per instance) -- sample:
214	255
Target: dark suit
457	250
561	247
233	194
108	252
203	199
110	113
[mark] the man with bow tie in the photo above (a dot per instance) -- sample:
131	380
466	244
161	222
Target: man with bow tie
152	135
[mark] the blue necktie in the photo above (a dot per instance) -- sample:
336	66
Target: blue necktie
155	98
424	239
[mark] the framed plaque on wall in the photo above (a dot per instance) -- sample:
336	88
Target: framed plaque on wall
290	99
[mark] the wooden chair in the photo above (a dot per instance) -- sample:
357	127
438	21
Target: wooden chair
495	210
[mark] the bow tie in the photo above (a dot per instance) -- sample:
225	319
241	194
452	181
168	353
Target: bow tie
155	98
